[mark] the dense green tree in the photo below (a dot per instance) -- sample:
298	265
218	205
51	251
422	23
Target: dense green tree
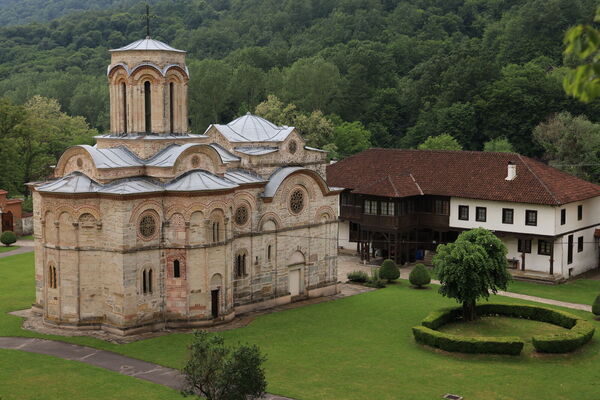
472	267
208	93
45	134
499	144
351	138
312	84
440	142
583	44
219	372
572	144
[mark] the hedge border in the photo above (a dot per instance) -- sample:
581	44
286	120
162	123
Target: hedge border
579	331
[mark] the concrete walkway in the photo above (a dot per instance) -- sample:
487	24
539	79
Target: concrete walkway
25	248
104	359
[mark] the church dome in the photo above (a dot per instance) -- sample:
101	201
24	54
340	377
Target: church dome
148	44
252	128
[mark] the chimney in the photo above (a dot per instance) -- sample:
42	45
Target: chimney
512	171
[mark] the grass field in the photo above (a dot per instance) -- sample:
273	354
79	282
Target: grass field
4	249
27	376
355	348
582	291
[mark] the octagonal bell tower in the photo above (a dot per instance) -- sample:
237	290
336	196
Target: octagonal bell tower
148	89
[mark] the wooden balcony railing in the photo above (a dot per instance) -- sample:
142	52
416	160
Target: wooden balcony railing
355	214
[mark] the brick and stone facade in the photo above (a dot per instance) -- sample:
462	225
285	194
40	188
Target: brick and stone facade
161	228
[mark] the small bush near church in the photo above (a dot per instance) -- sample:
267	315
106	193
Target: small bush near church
358	276
389	270
7	238
419	276
596	306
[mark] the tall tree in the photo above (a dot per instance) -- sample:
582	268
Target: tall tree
572	144
472	267
45	134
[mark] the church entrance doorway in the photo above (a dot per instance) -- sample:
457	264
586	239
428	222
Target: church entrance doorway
7	222
294	282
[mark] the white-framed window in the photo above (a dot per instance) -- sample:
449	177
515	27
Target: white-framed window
387	208
371	207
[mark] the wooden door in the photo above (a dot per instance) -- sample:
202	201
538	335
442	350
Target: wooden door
294	282
214	294
7	222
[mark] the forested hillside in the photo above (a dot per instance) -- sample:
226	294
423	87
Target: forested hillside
405	70
19	12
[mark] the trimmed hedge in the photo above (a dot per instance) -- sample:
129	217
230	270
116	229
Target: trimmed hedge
579	333
479	345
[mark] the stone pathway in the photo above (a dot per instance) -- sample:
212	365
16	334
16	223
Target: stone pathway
104	359
25	248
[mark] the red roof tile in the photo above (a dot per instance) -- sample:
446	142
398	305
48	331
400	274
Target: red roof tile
470	174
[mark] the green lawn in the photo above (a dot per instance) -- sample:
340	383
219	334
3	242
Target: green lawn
27	376
582	291
4	249
28	237
359	347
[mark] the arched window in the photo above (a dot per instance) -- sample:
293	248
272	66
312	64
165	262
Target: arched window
124	95
172	106
148	106
215	231
52	281
176	270
144	282
269	253
147	281
240	265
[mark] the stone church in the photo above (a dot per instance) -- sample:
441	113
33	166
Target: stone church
154	227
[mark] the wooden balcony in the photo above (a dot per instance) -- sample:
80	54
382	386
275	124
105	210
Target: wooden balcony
414	220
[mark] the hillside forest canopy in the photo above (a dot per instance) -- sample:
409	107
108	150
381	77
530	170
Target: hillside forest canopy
350	74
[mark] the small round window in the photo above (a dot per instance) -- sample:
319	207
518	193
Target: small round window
297	201
147	226
292	147
241	215
79	162
195	161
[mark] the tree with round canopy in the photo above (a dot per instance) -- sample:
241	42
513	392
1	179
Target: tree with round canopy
472	267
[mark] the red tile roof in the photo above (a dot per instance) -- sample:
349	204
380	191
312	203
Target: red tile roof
469	174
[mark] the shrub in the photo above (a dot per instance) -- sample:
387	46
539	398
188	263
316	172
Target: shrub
389	270
375	283
596	306
7	238
220	372
358	276
419	276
